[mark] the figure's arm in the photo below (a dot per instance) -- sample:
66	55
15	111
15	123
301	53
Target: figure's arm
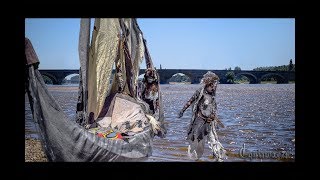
191	100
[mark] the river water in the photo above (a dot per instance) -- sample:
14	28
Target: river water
259	121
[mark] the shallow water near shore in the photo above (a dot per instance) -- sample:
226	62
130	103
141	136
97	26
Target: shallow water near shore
259	121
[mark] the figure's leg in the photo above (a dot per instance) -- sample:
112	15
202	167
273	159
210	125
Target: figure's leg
200	148
196	139
196	149
192	154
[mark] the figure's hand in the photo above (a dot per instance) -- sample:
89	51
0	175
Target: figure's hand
211	118
180	114
154	124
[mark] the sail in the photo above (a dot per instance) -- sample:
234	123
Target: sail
102	55
114	42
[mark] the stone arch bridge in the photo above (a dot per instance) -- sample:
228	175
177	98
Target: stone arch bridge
195	75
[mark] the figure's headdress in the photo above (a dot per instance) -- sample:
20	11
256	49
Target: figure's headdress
209	78
150	75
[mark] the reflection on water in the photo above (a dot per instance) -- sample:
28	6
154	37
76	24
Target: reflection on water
259	117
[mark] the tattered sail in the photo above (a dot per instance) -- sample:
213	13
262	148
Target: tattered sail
84	43
118	44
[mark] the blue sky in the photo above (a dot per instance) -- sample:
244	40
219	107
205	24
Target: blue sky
180	43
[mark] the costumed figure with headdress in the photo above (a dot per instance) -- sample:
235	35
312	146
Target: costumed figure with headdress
204	119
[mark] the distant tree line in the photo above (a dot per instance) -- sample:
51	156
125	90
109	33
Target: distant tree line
230	77
237	68
290	67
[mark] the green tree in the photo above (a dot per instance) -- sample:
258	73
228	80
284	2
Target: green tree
241	79
230	77
290	65
75	79
276	68
47	80
237	68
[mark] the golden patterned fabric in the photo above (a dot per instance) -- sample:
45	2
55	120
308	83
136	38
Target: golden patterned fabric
102	55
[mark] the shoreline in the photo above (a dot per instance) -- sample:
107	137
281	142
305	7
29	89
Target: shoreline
63	88
179	82
33	151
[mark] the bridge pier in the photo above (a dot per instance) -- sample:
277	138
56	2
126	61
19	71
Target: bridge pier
285	81
58	82
195	81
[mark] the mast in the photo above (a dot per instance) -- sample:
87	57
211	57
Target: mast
83	48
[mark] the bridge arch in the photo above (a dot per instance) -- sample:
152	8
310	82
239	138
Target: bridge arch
180	77
51	77
252	78
72	78
280	79
241	78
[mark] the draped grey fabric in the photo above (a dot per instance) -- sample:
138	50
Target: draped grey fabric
31	56
65	140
